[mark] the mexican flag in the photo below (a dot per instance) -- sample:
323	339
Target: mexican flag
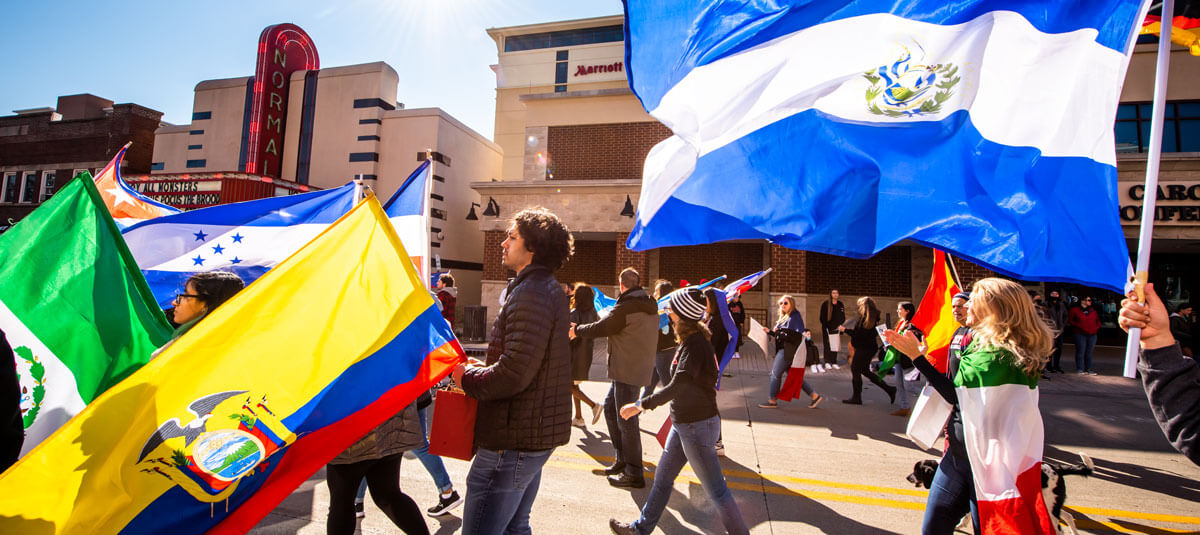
74	307
1004	436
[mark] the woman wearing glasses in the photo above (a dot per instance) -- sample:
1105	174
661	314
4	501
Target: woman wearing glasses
203	292
789	336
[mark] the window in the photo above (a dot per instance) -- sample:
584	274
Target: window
439	178
157	166
436	197
201	115
437	213
583	36
560	72
47	185
437	157
29	193
561	88
370	121
561	55
368	138
1181	127
364	156
76	172
372	103
195	132
193	164
195	147
11	187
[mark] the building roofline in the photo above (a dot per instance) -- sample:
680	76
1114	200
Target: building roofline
222	83
607	20
438	112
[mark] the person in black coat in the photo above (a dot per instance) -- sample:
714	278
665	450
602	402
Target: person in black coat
583	310
833	315
12	424
864	343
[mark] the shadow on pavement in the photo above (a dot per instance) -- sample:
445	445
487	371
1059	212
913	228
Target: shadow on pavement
1135	476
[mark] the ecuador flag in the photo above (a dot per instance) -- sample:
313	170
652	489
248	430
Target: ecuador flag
239	411
934	316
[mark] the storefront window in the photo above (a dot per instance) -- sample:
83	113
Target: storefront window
1181	127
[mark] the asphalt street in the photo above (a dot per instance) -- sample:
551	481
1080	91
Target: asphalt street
836	469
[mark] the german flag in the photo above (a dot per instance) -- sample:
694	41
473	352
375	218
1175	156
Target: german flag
934	316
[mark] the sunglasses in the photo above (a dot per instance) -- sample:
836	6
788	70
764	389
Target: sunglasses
179	297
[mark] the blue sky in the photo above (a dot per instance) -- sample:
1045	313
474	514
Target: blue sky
154	53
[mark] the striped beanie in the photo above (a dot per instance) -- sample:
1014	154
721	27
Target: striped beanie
687	303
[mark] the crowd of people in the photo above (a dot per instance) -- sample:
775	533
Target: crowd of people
541	348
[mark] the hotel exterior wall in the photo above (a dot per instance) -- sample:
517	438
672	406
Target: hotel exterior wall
222	133
335	123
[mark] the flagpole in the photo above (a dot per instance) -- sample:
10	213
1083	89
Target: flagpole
358	188
1149	200
426	250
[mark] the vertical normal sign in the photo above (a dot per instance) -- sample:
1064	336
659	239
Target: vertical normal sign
282	50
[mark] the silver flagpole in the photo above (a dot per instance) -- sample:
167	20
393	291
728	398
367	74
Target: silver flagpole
1149	200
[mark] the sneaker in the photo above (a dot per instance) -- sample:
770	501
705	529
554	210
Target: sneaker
1091	372
445	504
578	422
768	405
852	401
837	367
1080	372
816	401
720	449
358	510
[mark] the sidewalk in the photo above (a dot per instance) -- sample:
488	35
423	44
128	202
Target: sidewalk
836	469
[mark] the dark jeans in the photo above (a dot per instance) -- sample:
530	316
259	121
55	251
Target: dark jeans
662	369
831	357
951	496
860	367
1056	356
625	434
501	487
694	444
1084	344
383	478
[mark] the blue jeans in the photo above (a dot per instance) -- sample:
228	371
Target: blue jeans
625	434
951	496
501	487
693	443
778	370
1084	344
432	463
662	370
901	386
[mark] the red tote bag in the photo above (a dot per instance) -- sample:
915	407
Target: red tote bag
452	433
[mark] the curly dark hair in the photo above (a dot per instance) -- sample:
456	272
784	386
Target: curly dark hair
546	236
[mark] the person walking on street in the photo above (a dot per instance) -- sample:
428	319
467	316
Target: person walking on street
864	342
833	315
666	342
789	337
376	457
695	422
631	327
447	295
1009	341
1181	328
905	312
583	310
524	386
738	310
1085	323
1057	310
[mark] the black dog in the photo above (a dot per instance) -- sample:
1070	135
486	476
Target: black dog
1054	488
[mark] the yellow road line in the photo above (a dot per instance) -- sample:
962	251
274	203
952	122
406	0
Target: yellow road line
863	500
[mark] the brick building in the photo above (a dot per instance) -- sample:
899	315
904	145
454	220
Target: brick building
42	148
574	139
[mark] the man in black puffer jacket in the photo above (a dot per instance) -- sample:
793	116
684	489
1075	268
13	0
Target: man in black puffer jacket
524	388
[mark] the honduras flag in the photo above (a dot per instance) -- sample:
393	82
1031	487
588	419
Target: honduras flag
246	238
982	128
408	210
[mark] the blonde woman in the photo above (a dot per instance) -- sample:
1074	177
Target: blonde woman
1009	346
789	336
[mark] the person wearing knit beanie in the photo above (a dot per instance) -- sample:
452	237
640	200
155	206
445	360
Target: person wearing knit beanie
687	303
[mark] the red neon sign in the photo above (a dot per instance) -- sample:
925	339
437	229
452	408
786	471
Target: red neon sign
282	50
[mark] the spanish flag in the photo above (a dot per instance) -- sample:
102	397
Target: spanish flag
934	316
259	395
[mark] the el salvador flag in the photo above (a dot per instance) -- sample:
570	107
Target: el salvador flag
247	238
407	209
983	128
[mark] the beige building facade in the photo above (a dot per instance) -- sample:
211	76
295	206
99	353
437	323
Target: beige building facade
574	138
340	123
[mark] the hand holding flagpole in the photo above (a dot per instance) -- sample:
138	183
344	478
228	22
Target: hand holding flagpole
1146	231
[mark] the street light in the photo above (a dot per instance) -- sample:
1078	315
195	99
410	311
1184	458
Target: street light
471	215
